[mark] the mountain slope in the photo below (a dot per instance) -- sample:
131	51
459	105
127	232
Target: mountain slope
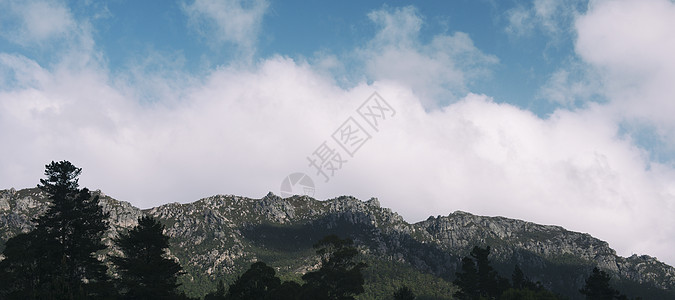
219	236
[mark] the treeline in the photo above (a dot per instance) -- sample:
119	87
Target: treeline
477	279
339	277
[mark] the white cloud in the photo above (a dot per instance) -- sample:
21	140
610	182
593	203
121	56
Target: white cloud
439	71
232	21
19	70
550	17
520	21
625	57
399	27
38	21
242	129
630	45
495	159
546	11
573	85
43	20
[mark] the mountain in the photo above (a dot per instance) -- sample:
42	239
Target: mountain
220	236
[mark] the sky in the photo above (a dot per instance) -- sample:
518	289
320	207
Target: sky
555	112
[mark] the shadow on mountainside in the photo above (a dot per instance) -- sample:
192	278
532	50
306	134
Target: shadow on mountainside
564	276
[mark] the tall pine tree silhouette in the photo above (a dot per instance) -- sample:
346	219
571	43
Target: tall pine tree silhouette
477	278
145	271
597	287
57	260
467	280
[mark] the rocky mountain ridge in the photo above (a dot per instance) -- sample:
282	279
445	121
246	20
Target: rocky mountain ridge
219	235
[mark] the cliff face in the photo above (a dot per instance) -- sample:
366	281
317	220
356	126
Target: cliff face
220	235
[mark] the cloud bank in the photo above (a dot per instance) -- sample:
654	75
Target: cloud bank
242	128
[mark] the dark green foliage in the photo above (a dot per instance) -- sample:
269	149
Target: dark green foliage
259	282
598	287
489	282
467	280
254	284
19	270
404	293
338	278
218	294
478	278
522	288
518	279
61	179
384	277
57	260
73	228
528	294
145	271
198	282
340	274
289	290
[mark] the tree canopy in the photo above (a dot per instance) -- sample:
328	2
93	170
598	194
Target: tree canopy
145	270
404	293
339	277
254	284
598	287
340	274
477	279
58	258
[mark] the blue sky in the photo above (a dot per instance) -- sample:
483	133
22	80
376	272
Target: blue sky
557	112
126	33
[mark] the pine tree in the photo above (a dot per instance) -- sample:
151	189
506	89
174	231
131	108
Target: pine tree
467	280
19	269
340	274
489	282
73	227
478	278
597	287
145	271
58	259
